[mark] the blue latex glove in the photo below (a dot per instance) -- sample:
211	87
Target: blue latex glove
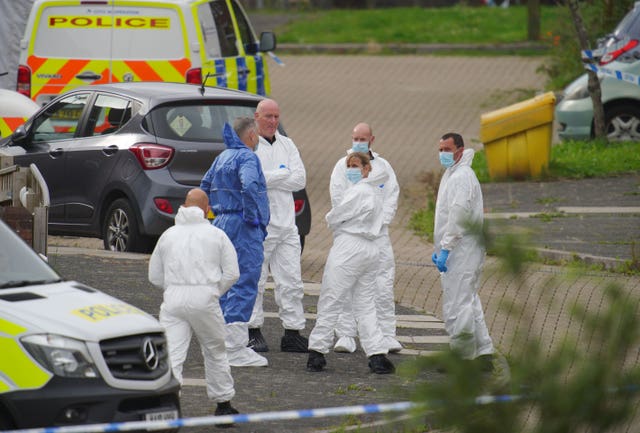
434	258
442	260
282	166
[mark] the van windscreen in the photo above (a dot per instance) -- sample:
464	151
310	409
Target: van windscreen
109	32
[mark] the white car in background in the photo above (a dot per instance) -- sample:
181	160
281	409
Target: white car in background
619	52
15	109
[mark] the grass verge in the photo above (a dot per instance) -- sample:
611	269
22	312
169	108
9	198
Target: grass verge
455	25
569	160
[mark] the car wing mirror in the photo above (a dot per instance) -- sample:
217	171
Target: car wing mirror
267	41
19	134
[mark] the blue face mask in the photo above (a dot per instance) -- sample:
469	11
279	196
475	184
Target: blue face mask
446	159
360	146
354	175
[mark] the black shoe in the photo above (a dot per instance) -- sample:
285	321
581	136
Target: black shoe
380	364
316	361
225	408
292	341
257	341
485	362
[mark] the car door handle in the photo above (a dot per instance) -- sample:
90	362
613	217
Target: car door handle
56	153
88	75
110	150
244	71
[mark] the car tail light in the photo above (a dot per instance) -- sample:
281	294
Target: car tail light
163	205
610	57
298	205
194	76
24	81
152	156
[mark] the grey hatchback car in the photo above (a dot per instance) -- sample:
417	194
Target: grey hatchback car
119	158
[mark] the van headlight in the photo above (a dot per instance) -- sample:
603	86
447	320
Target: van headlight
63	356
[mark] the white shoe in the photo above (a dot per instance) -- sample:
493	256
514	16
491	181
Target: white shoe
246	357
392	345
345	345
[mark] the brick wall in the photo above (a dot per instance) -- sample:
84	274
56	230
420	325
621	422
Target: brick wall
20	220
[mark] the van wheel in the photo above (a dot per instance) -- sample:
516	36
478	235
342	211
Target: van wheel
622	123
120	229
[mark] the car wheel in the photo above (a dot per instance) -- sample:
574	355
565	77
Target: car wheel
622	123
5	421
120	229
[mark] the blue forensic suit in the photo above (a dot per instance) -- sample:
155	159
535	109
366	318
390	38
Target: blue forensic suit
237	193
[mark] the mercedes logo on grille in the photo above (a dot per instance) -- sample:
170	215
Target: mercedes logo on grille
149	353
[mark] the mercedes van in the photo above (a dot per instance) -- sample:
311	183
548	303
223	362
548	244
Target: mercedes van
73	355
70	43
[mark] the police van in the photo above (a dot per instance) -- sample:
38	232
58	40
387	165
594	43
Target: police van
15	109
69	43
70	354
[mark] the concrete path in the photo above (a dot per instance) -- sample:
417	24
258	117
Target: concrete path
410	101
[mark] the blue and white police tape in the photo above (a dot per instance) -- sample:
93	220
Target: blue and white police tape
275	58
401	406
225	419
589	58
612	73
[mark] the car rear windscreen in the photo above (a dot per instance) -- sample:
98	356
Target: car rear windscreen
194	122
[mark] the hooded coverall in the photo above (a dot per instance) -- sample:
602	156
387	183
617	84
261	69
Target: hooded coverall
284	173
381	173
238	197
350	270
195	263
457	228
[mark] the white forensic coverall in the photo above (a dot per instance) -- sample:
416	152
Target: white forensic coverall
350	270
458	220
383	175
285	173
195	263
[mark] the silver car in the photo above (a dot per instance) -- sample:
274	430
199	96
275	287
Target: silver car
119	158
620	52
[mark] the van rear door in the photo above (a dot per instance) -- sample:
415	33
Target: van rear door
77	44
230	48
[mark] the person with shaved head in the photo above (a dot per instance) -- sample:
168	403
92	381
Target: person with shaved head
285	173
195	263
384	177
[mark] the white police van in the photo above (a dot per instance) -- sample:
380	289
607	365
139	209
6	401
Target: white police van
70	354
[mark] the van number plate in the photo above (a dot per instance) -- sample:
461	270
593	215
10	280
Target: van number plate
168	415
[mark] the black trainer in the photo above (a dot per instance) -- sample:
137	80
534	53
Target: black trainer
316	361
225	408
257	341
380	364
292	341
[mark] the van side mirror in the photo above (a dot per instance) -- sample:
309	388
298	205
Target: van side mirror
267	41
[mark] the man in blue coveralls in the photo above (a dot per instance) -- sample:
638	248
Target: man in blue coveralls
237	193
